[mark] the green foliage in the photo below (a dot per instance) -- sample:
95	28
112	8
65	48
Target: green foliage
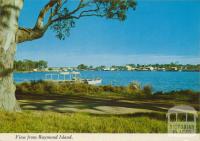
154	122
133	90
82	67
158	67
119	68
134	87
29	65
50	122
49	87
183	95
37	122
100	68
62	27
147	90
114	89
116	9
64	16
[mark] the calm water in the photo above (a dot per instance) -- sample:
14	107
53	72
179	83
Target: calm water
161	81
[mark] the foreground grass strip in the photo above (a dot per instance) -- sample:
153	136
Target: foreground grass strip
80	123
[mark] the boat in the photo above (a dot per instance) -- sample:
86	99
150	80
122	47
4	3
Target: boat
94	81
73	77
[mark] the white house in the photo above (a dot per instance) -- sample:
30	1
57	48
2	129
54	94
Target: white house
130	68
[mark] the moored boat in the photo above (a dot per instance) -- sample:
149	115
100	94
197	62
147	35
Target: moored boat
94	81
73	77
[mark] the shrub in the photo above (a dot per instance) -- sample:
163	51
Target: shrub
48	87
147	90
132	90
133	87
108	88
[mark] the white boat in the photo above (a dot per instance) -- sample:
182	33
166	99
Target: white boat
94	81
74	77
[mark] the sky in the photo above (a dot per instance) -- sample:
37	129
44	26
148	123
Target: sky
158	31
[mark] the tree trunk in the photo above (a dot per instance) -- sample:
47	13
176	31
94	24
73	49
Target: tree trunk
9	13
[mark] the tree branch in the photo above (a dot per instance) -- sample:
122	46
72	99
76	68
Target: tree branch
47	7
69	14
59	14
28	34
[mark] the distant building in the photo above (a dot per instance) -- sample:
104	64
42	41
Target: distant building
144	69
107	69
35	70
161	69
70	68
174	68
112	69
130	68
150	68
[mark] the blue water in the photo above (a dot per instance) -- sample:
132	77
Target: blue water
160	81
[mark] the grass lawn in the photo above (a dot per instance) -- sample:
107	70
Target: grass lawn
52	122
36	121
80	114
62	108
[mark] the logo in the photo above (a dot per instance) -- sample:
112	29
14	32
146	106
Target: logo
182	119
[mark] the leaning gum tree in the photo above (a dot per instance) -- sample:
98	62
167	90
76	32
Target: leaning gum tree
57	15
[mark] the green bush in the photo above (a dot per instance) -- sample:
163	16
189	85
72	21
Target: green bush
48	87
147	90
132	90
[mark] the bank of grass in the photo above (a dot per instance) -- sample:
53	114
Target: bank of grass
35	122
50	122
132	91
45	121
63	88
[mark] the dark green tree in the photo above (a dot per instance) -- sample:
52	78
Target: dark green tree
58	15
82	67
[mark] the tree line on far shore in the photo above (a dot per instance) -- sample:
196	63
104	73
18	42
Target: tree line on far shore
41	65
159	67
29	65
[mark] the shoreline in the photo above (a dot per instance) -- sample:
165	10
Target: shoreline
160	81
107	71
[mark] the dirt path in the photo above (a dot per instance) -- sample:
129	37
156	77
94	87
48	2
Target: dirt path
91	105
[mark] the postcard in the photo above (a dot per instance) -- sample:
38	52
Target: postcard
99	70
